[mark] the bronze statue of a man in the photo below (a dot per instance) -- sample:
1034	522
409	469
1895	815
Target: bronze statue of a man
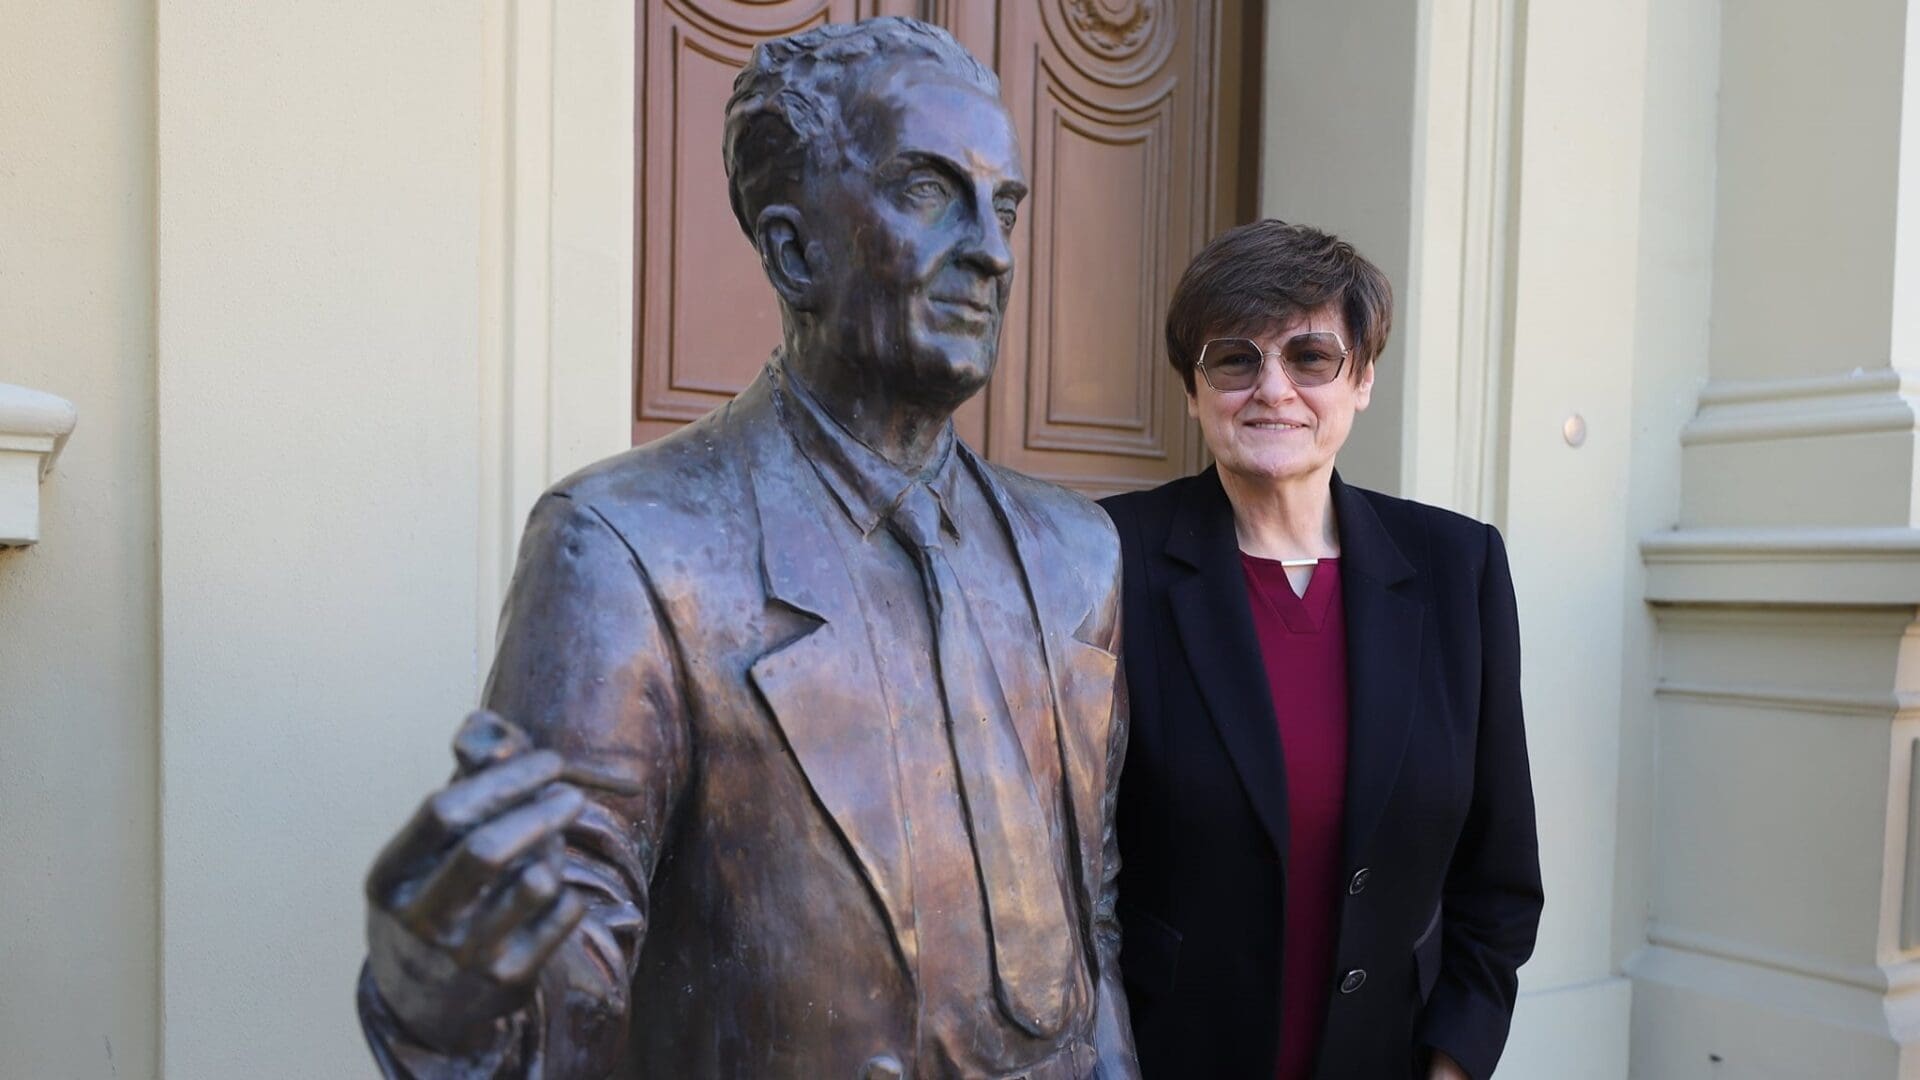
805	722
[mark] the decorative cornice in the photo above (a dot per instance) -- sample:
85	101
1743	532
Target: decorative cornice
1814	545
34	426
35	421
1896	705
1862	401
1872	565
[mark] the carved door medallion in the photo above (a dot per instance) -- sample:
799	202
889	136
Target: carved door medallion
1134	118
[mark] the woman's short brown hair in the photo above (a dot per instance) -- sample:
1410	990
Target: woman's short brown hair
1254	277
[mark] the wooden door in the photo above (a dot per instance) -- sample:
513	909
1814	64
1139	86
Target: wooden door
706	317
1133	117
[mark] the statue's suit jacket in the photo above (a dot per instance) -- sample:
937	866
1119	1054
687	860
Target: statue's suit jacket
681	617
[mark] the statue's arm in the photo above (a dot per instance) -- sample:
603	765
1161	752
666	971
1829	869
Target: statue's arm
586	668
1114	1030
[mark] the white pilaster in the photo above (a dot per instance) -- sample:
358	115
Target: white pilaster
1575	261
557	261
1786	709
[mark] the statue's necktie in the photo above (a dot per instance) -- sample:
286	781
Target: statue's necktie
1012	844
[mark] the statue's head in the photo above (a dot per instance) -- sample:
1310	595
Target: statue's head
877	173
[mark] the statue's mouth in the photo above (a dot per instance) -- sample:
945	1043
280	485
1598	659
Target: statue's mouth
983	306
965	314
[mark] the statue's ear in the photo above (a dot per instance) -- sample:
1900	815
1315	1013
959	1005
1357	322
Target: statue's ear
780	234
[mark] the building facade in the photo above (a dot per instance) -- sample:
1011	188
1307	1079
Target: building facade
335	290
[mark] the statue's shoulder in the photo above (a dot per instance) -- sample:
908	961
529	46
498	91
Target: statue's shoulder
1069	517
679	486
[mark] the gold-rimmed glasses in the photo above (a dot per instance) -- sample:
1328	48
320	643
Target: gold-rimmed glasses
1231	365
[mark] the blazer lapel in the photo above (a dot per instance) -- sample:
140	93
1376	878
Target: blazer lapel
1384	621
1080	674
823	687
1215	622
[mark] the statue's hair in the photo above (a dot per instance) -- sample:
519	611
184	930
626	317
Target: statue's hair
785	110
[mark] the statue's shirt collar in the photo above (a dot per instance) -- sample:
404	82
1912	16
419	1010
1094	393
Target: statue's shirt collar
865	484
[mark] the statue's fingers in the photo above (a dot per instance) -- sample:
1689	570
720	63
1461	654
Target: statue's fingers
484	856
525	951
449	814
529	892
474	800
486	738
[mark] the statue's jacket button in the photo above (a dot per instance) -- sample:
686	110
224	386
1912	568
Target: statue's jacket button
1354	980
882	1067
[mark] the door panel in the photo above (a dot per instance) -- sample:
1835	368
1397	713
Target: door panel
1108	96
1132	116
707	319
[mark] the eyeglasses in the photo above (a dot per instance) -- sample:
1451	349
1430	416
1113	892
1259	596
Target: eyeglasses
1231	365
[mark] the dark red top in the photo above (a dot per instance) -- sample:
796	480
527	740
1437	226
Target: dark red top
1303	642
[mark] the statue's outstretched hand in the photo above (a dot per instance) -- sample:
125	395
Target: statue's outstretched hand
467	902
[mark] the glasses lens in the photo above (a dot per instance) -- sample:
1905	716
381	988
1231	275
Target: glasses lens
1312	359
1230	364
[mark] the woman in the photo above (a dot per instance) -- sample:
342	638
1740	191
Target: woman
1328	863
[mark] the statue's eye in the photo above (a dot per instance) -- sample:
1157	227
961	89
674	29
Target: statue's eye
928	190
1008	215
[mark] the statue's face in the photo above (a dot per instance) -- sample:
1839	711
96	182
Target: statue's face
915	227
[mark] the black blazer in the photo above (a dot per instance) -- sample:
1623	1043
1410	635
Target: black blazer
1441	868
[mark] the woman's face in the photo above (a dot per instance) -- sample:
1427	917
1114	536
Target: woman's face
1277	432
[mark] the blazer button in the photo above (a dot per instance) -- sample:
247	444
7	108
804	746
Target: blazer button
882	1067
1359	882
1354	980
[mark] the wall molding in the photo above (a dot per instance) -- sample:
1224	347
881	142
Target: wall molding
1770	544
556	306
1459	359
517	148
1860	565
34	426
1892	706
1687	1001
1797	622
34	421
1910	851
1857	403
1890	980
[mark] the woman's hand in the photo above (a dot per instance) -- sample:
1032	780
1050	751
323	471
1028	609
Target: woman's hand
1442	1067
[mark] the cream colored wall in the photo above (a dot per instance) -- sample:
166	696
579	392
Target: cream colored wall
392	306
1336	152
78	854
1810	138
319	408
1905	336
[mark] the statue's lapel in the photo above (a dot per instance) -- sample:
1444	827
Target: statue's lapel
1080	673
822	686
